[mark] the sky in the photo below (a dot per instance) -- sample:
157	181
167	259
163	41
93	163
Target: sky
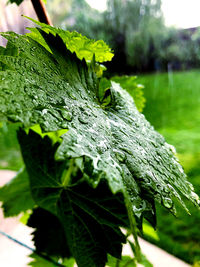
178	13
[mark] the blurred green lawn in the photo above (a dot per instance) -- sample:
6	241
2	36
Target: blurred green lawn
173	107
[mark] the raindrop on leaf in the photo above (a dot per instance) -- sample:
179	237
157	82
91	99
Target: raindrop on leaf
66	115
120	155
167	202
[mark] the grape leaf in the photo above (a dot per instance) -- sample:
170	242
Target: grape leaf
75	42
37	261
114	141
16	195
48	229
90	217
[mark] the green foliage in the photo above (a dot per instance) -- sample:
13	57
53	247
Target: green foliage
75	42
107	159
134	29
16	195
126	261
38	261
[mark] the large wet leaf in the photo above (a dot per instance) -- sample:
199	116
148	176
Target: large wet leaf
113	140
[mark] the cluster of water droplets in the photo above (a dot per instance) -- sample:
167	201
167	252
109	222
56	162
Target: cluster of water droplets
117	142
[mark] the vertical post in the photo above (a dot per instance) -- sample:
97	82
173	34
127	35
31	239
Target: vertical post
41	12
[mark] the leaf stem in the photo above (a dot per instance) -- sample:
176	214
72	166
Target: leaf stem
41	12
117	263
136	249
129	262
66	176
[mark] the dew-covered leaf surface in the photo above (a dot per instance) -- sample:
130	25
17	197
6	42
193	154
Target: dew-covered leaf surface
113	141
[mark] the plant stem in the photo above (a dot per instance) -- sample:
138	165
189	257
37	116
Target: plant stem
66	176
129	262
41	12
117	263
132	221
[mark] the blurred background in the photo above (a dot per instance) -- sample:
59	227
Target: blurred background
159	41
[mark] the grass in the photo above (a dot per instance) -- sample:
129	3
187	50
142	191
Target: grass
173	107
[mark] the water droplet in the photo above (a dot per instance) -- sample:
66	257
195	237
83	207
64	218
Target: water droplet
167	202
33	69
72	95
66	115
33	48
64	125
83	118
195	197
190	186
127	150
180	169
44	111
13	117
120	155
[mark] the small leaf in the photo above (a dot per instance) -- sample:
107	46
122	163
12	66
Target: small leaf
126	261
16	195
75	42
145	262
38	261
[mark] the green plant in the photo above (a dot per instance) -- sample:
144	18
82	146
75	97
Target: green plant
93	164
